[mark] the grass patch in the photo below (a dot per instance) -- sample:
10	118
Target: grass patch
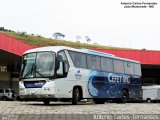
41	41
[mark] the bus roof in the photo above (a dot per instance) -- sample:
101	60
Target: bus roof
93	52
51	48
88	51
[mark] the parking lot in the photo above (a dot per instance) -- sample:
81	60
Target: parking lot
59	108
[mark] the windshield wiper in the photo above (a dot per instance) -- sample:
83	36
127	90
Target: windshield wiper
29	71
33	69
39	73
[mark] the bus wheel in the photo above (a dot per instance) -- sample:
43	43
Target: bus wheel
99	101
149	100
46	101
124	96
76	96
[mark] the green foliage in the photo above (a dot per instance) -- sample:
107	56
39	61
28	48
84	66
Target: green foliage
41	41
5	30
58	35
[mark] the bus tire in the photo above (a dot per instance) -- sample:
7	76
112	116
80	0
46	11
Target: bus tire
124	96
46	101
149	100
99	101
75	96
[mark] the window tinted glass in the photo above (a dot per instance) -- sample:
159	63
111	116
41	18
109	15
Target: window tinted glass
129	67
39	64
106	64
28	64
137	69
118	66
93	62
79	59
62	54
7	91
45	64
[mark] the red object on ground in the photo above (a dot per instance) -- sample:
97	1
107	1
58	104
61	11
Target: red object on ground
13	45
144	56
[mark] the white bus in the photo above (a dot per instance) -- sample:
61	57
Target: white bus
60	73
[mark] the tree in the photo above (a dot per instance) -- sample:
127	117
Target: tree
2	29
58	35
87	39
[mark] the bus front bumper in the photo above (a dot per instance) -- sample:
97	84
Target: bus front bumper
36	93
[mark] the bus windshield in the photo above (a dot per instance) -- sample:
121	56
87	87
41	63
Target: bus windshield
38	65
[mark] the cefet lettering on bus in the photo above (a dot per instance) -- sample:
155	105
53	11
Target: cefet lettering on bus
118	78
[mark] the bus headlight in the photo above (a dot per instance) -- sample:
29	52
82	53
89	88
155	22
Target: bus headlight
46	89
21	90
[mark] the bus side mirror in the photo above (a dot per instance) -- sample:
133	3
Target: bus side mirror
61	66
58	60
59	57
60	71
57	64
63	69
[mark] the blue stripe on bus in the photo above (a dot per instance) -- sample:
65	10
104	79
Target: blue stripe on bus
110	85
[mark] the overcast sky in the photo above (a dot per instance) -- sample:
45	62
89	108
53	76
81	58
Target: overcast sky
106	22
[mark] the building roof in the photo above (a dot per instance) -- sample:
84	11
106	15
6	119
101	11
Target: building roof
144	56
18	47
13	45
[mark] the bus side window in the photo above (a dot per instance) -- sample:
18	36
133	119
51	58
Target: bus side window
79	59
118	66
137	69
93	62
129	68
106	64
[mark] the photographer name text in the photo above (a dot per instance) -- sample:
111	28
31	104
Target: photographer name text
139	4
